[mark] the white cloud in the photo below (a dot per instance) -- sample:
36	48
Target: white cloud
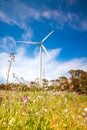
28	67
3	65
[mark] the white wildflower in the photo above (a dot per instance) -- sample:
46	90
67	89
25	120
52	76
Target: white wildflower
85	109
11	121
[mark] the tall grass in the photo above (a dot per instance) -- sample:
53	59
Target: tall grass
42	111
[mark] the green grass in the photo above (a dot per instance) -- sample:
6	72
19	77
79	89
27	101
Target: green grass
42	111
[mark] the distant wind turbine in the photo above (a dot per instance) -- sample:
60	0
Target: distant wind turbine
41	46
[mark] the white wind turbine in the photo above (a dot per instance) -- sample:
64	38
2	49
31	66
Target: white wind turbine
41	46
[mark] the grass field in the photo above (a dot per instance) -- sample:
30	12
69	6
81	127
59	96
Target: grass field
42	111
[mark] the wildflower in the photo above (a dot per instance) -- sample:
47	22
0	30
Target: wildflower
84	121
16	113
40	97
11	60
22	98
4	123
28	98
45	110
65	110
85	109
79	116
73	116
3	105
37	114
11	122
25	99
64	125
34	101
46	89
23	113
12	56
84	115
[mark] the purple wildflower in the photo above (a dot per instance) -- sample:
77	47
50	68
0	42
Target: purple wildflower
25	99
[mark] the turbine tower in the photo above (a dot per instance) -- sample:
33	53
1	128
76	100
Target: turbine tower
41	47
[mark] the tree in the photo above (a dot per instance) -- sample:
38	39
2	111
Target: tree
45	82
78	80
63	82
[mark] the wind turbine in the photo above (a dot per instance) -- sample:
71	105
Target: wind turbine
41	47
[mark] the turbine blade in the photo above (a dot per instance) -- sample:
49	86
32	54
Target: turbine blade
28	42
47	36
45	51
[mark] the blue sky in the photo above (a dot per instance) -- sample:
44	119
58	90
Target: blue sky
32	20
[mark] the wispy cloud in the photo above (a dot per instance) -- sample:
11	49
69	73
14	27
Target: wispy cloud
82	25
18	15
22	15
7	43
28	67
5	18
60	18
71	2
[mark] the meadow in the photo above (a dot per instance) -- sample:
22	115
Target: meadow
43	110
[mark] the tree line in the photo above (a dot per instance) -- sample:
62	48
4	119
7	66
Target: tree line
77	82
